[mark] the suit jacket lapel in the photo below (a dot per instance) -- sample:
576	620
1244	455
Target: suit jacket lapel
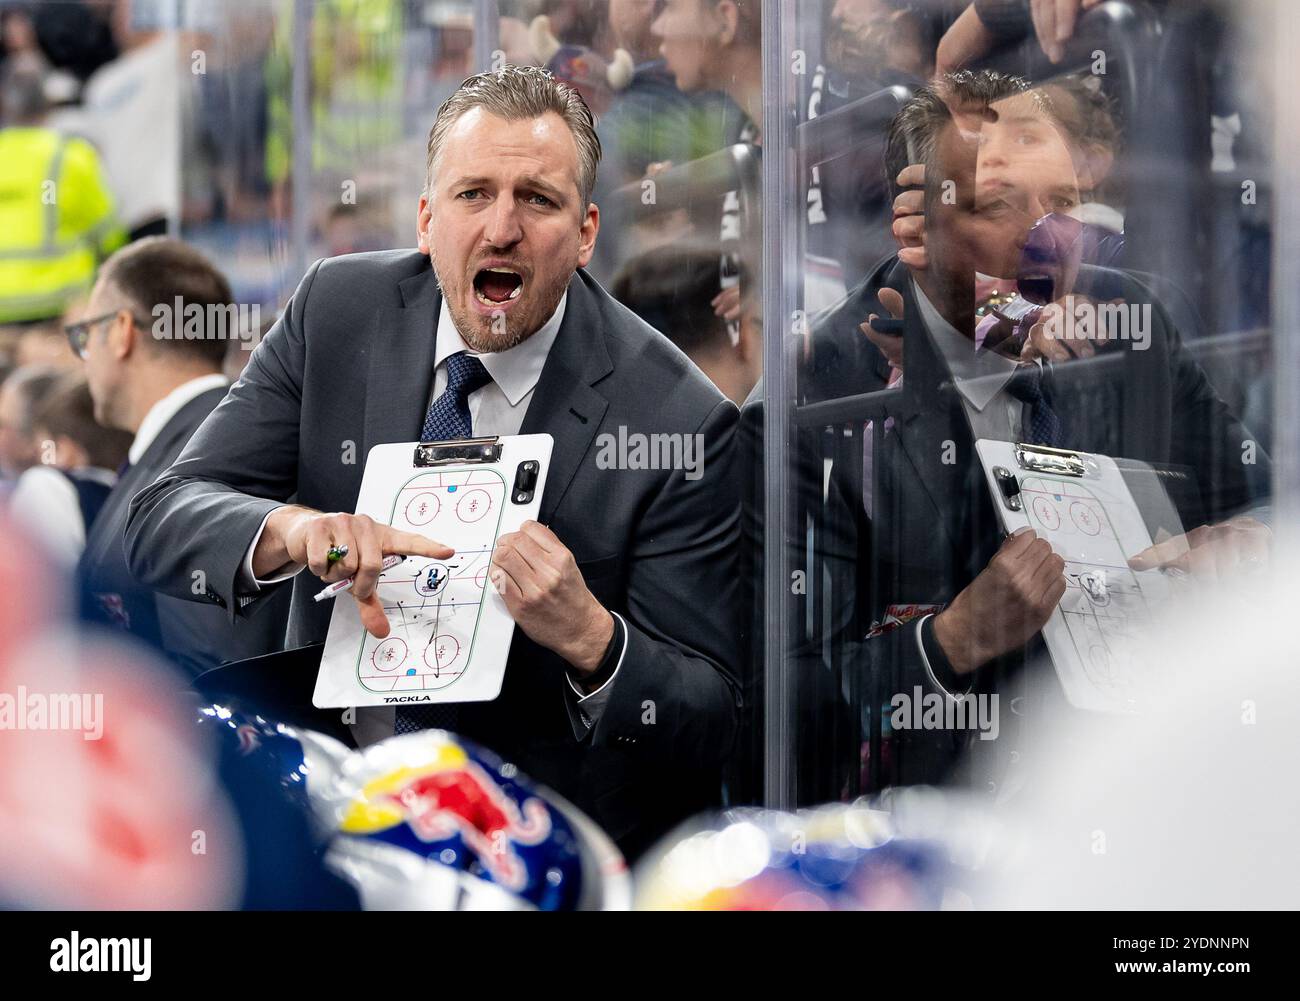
400	377
925	414
564	404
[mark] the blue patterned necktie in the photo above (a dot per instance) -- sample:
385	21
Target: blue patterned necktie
1031	384
448	415
448	418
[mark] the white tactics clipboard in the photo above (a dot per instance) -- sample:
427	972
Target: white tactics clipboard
450	630
1080	503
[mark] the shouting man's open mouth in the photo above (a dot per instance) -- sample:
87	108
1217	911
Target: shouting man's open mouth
497	287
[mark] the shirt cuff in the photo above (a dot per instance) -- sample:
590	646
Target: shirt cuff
590	706
931	651
248	583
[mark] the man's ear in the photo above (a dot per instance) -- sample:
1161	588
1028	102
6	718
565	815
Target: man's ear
587	234
423	217
123	335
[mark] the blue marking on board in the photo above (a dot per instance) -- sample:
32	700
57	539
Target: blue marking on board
410	671
451	490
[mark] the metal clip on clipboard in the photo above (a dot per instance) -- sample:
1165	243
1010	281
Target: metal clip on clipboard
466	450
1057	461
478	451
1036	459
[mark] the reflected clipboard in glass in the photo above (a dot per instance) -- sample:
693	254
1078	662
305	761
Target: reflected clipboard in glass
1080	503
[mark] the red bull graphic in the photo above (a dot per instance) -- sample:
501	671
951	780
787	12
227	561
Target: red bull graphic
430	821
454	796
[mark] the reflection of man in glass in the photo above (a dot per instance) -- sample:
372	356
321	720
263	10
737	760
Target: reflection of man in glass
1004	165
999	184
1023	171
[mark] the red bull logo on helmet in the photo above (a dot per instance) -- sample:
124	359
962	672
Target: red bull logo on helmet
450	796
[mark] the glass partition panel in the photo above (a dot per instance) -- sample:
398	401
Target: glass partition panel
994	247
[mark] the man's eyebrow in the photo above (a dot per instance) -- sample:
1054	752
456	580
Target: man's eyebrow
543	186
531	181
1066	191
469	182
1024	119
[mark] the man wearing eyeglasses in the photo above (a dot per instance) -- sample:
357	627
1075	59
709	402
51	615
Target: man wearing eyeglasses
159	389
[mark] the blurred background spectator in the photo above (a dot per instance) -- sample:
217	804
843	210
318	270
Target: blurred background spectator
717	45
57	212
22	392
868	45
58	499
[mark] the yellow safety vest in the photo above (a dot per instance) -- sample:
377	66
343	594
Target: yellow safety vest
356	86
57	221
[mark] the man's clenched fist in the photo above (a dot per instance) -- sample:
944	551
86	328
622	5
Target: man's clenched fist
539	581
1005	605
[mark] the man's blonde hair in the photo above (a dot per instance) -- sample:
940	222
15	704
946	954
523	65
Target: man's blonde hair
515	93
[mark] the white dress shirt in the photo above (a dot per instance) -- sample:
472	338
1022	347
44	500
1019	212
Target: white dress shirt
497	408
980	375
161	413
45	502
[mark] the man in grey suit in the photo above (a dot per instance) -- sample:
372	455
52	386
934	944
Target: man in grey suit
620	688
160	390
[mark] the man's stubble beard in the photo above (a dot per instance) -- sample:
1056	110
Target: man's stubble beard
486	341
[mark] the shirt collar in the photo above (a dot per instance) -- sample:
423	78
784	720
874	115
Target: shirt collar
516	370
979	375
161	413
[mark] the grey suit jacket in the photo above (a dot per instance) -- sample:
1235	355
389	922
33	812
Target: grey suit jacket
350	365
194	636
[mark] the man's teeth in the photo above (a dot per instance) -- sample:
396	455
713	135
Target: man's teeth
514	293
497	302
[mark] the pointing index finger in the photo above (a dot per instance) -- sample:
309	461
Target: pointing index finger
411	544
1161	554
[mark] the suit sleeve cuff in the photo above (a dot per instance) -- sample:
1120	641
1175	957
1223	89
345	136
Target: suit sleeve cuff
937	668
251	584
590	706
